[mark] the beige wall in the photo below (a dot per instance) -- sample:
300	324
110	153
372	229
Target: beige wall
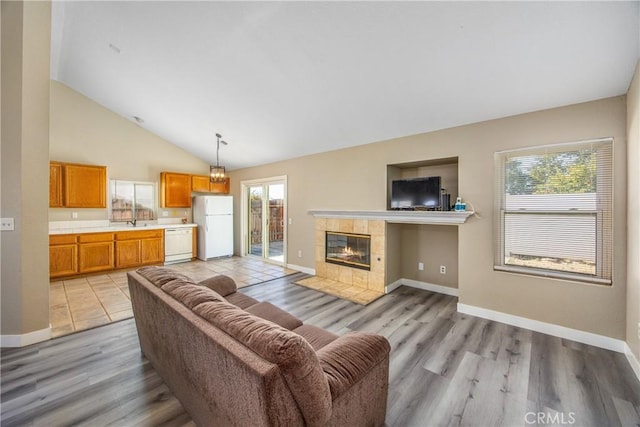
327	181
83	131
633	215
26	33
433	245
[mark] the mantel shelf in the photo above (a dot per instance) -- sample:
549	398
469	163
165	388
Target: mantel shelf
412	217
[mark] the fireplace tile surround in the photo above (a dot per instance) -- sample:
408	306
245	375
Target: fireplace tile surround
374	279
357	285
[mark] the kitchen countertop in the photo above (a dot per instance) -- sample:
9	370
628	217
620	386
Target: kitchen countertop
116	227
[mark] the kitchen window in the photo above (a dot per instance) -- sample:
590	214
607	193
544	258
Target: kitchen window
554	208
132	200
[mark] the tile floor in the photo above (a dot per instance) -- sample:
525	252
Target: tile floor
349	292
87	302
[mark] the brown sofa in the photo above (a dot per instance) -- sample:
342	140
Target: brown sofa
232	360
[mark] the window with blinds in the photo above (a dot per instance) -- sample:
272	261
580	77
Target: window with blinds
554	207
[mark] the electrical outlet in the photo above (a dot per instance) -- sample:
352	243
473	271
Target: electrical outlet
299	254
421	266
639	330
74	215
290	221
443	269
7	224
165	213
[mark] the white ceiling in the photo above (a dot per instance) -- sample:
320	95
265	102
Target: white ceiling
283	79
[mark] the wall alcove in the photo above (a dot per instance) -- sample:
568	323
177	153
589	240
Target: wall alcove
411	246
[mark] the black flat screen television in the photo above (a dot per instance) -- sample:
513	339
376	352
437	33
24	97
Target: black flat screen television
416	193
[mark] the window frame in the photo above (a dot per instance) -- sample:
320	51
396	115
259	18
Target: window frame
154	202
603	221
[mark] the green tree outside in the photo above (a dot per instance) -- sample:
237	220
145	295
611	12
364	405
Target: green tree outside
562	173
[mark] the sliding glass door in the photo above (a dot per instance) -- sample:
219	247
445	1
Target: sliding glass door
265	226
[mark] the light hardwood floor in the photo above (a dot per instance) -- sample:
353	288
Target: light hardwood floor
446	369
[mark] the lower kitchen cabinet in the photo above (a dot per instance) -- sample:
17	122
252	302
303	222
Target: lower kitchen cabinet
63	255
74	254
135	248
95	252
127	253
152	250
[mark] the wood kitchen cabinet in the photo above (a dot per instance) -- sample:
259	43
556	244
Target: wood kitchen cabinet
95	252
200	183
73	254
135	248
152	250
63	255
55	185
175	190
85	186
203	184
74	185
127	253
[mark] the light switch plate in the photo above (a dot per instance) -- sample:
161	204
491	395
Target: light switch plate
7	224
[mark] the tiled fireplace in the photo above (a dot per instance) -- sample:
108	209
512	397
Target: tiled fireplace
345	242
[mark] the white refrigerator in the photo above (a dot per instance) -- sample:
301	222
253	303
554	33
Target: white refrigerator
214	217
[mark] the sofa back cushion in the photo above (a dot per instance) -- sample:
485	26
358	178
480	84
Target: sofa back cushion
190	294
179	286
160	275
224	285
294	356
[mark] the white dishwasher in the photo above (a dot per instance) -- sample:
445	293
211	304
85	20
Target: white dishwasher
178	245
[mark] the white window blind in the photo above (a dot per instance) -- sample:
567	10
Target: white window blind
554	210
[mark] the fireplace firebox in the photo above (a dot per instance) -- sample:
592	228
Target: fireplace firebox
352	250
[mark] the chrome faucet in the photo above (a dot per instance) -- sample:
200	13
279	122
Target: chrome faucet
132	222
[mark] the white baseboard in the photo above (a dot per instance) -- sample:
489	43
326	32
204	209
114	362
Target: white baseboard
421	285
25	339
546	328
633	361
302	269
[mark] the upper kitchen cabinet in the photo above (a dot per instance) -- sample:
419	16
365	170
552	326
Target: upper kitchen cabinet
55	185
200	183
85	186
203	184
175	190
77	186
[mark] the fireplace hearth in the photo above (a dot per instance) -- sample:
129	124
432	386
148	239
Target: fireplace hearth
348	249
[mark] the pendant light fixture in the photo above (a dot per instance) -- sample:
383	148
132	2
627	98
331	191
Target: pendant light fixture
217	172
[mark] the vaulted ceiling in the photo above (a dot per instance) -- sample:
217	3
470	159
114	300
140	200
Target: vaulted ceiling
283	79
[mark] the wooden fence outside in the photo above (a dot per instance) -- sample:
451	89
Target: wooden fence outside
276	221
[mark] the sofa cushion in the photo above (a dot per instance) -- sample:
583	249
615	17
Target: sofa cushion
241	300
224	285
317	337
160	275
190	294
268	311
294	356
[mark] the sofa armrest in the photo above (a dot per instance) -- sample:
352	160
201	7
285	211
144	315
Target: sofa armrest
350	358
224	285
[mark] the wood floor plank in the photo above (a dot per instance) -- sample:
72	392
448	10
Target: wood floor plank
411	345
446	368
